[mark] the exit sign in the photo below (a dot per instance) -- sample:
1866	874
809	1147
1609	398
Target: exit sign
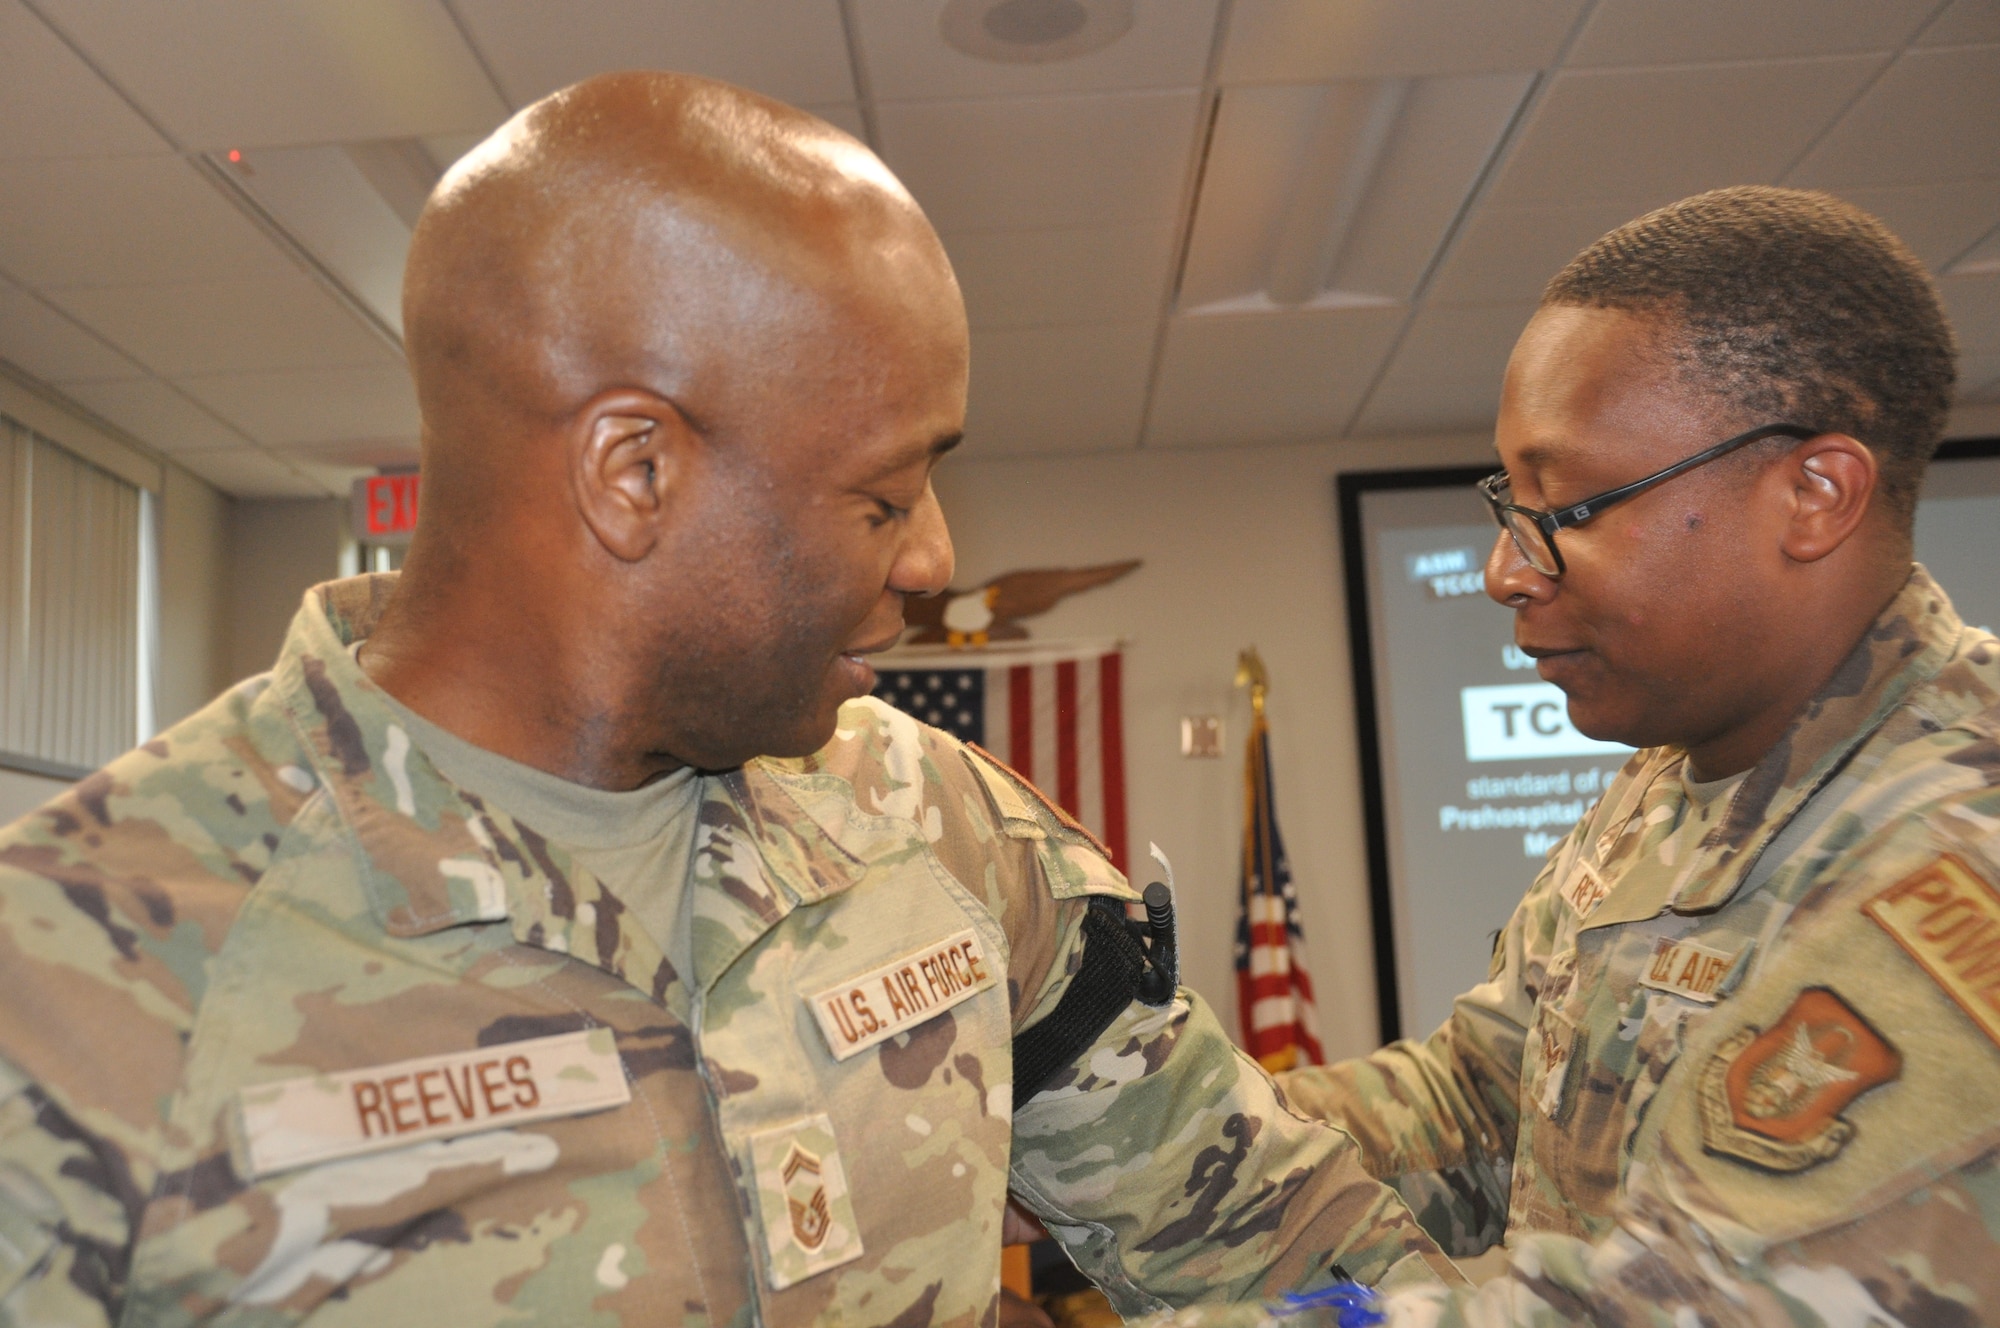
385	509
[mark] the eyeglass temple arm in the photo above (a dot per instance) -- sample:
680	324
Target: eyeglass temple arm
1583	511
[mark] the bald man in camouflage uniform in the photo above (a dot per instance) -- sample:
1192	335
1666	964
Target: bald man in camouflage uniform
1737	1059
553	936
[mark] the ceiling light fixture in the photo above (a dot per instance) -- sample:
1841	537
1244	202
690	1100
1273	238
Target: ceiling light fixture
1034	31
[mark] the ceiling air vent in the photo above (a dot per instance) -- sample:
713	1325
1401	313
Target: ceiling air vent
1034	31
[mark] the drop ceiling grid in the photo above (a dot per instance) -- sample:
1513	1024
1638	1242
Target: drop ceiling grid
1506	250
1061	189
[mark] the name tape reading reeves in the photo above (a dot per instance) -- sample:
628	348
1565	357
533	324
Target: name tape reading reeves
297	1122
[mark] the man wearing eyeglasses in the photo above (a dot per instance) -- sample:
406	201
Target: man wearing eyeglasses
1738	1055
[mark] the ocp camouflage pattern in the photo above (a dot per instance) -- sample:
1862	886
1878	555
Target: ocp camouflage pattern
282	886
1642	1165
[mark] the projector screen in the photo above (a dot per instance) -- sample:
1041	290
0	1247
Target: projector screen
1471	771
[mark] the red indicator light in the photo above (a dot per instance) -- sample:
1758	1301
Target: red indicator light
235	157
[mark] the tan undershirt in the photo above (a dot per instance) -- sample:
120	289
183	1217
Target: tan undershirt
639	844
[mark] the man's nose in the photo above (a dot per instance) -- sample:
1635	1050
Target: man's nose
1510	581
925	564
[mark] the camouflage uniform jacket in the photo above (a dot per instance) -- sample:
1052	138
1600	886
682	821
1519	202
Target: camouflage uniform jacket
291	1028
1757	1080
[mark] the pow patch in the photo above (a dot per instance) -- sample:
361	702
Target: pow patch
1948	919
1773	1097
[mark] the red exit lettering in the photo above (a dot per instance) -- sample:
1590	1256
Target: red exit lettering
389	506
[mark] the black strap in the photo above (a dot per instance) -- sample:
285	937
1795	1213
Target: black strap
1109	976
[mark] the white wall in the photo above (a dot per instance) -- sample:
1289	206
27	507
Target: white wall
278	549
1241	547
194	596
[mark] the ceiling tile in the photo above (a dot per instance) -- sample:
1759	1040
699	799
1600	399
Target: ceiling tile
1633	136
1964	22
1303	41
52	105
324	461
154	413
221	74
1973	303
1446	373
51	347
246	472
1338	193
796	53
1938	221
1664	32
1095	274
1044	161
1058	389
227	326
903	45
312	406
1267	377
112	221
1935	115
1507	253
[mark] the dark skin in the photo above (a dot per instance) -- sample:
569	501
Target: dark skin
686	360
1706	612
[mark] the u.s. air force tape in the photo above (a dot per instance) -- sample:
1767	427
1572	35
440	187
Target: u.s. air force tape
874	1006
325	1117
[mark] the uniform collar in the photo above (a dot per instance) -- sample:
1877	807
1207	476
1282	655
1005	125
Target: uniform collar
1912	639
434	856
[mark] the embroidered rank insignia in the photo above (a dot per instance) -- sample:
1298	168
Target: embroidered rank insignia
1560	1045
855	1015
1949	921
802	1201
1773	1097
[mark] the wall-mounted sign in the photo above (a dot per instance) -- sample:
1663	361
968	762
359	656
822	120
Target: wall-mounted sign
385	508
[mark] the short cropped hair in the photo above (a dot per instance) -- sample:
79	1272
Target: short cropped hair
1796	308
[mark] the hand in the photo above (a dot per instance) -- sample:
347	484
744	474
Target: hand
1020	1227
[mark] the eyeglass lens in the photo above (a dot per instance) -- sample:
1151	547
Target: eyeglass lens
1531	541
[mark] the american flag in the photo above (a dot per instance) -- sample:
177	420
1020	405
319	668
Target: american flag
1053	714
1273	991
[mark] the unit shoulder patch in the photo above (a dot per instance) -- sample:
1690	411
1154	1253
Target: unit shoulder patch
1772	1097
1947	917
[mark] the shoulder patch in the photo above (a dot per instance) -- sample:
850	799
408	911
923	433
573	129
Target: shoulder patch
1010	791
1773	1097
1947	917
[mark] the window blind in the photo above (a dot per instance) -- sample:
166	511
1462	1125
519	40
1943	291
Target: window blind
70	573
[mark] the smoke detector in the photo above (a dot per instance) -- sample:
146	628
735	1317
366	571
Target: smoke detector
1034	31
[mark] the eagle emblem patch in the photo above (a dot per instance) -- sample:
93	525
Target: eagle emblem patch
1773	1097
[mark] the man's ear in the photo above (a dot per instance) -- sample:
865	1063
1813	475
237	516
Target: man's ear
1830	482
628	450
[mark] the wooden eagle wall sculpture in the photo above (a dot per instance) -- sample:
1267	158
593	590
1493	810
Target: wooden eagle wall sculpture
993	612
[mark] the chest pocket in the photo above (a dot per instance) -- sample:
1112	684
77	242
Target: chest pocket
860	1058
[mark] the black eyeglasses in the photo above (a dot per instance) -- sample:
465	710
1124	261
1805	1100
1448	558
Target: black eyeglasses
1534	531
